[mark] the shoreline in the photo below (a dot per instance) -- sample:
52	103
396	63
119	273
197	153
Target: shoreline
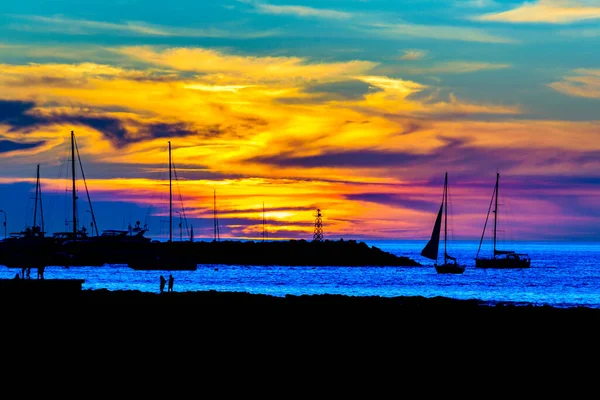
246	299
71	291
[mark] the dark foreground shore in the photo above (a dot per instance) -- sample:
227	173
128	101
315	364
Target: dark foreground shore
324	306
310	327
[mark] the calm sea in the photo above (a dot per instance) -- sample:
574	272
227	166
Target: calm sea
561	274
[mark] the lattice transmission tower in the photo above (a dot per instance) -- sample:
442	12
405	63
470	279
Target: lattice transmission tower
318	235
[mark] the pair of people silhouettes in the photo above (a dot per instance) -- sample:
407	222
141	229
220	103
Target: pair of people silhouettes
163	282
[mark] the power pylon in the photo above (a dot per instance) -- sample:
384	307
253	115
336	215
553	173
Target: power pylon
318	235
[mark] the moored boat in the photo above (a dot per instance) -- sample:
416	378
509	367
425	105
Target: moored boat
431	249
499	258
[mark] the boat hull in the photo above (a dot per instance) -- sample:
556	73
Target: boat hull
449	269
170	256
502	263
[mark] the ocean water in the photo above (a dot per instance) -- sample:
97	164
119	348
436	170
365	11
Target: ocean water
561	275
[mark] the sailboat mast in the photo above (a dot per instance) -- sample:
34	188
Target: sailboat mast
263	221
496	211
87	192
215	213
73	192
216	218
170	197
41	204
37	188
445	215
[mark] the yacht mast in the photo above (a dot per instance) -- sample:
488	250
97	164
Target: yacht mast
263	223
74	194
215	218
445	215
87	192
41	205
37	189
496	211
170	198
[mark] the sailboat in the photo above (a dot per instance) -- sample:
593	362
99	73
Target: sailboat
431	248
499	258
30	248
76	233
80	249
168	256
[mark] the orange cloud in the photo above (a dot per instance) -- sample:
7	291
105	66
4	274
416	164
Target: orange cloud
395	93
226	68
251	128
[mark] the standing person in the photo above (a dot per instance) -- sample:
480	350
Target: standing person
171	280
163	281
41	272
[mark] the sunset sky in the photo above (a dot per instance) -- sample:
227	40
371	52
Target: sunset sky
356	107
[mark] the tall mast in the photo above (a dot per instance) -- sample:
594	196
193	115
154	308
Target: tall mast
496	211
487	217
445	215
41	205
216	224
263	221
37	187
170	198
74	194
87	192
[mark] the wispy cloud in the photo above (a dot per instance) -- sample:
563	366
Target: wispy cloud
247	68
586	83
297	11
393	98
413	54
581	32
404	87
475	3
380	25
546	11
455	67
72	26
440	32
72	52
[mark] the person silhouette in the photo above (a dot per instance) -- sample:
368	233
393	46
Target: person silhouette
163	281
171	280
40	272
